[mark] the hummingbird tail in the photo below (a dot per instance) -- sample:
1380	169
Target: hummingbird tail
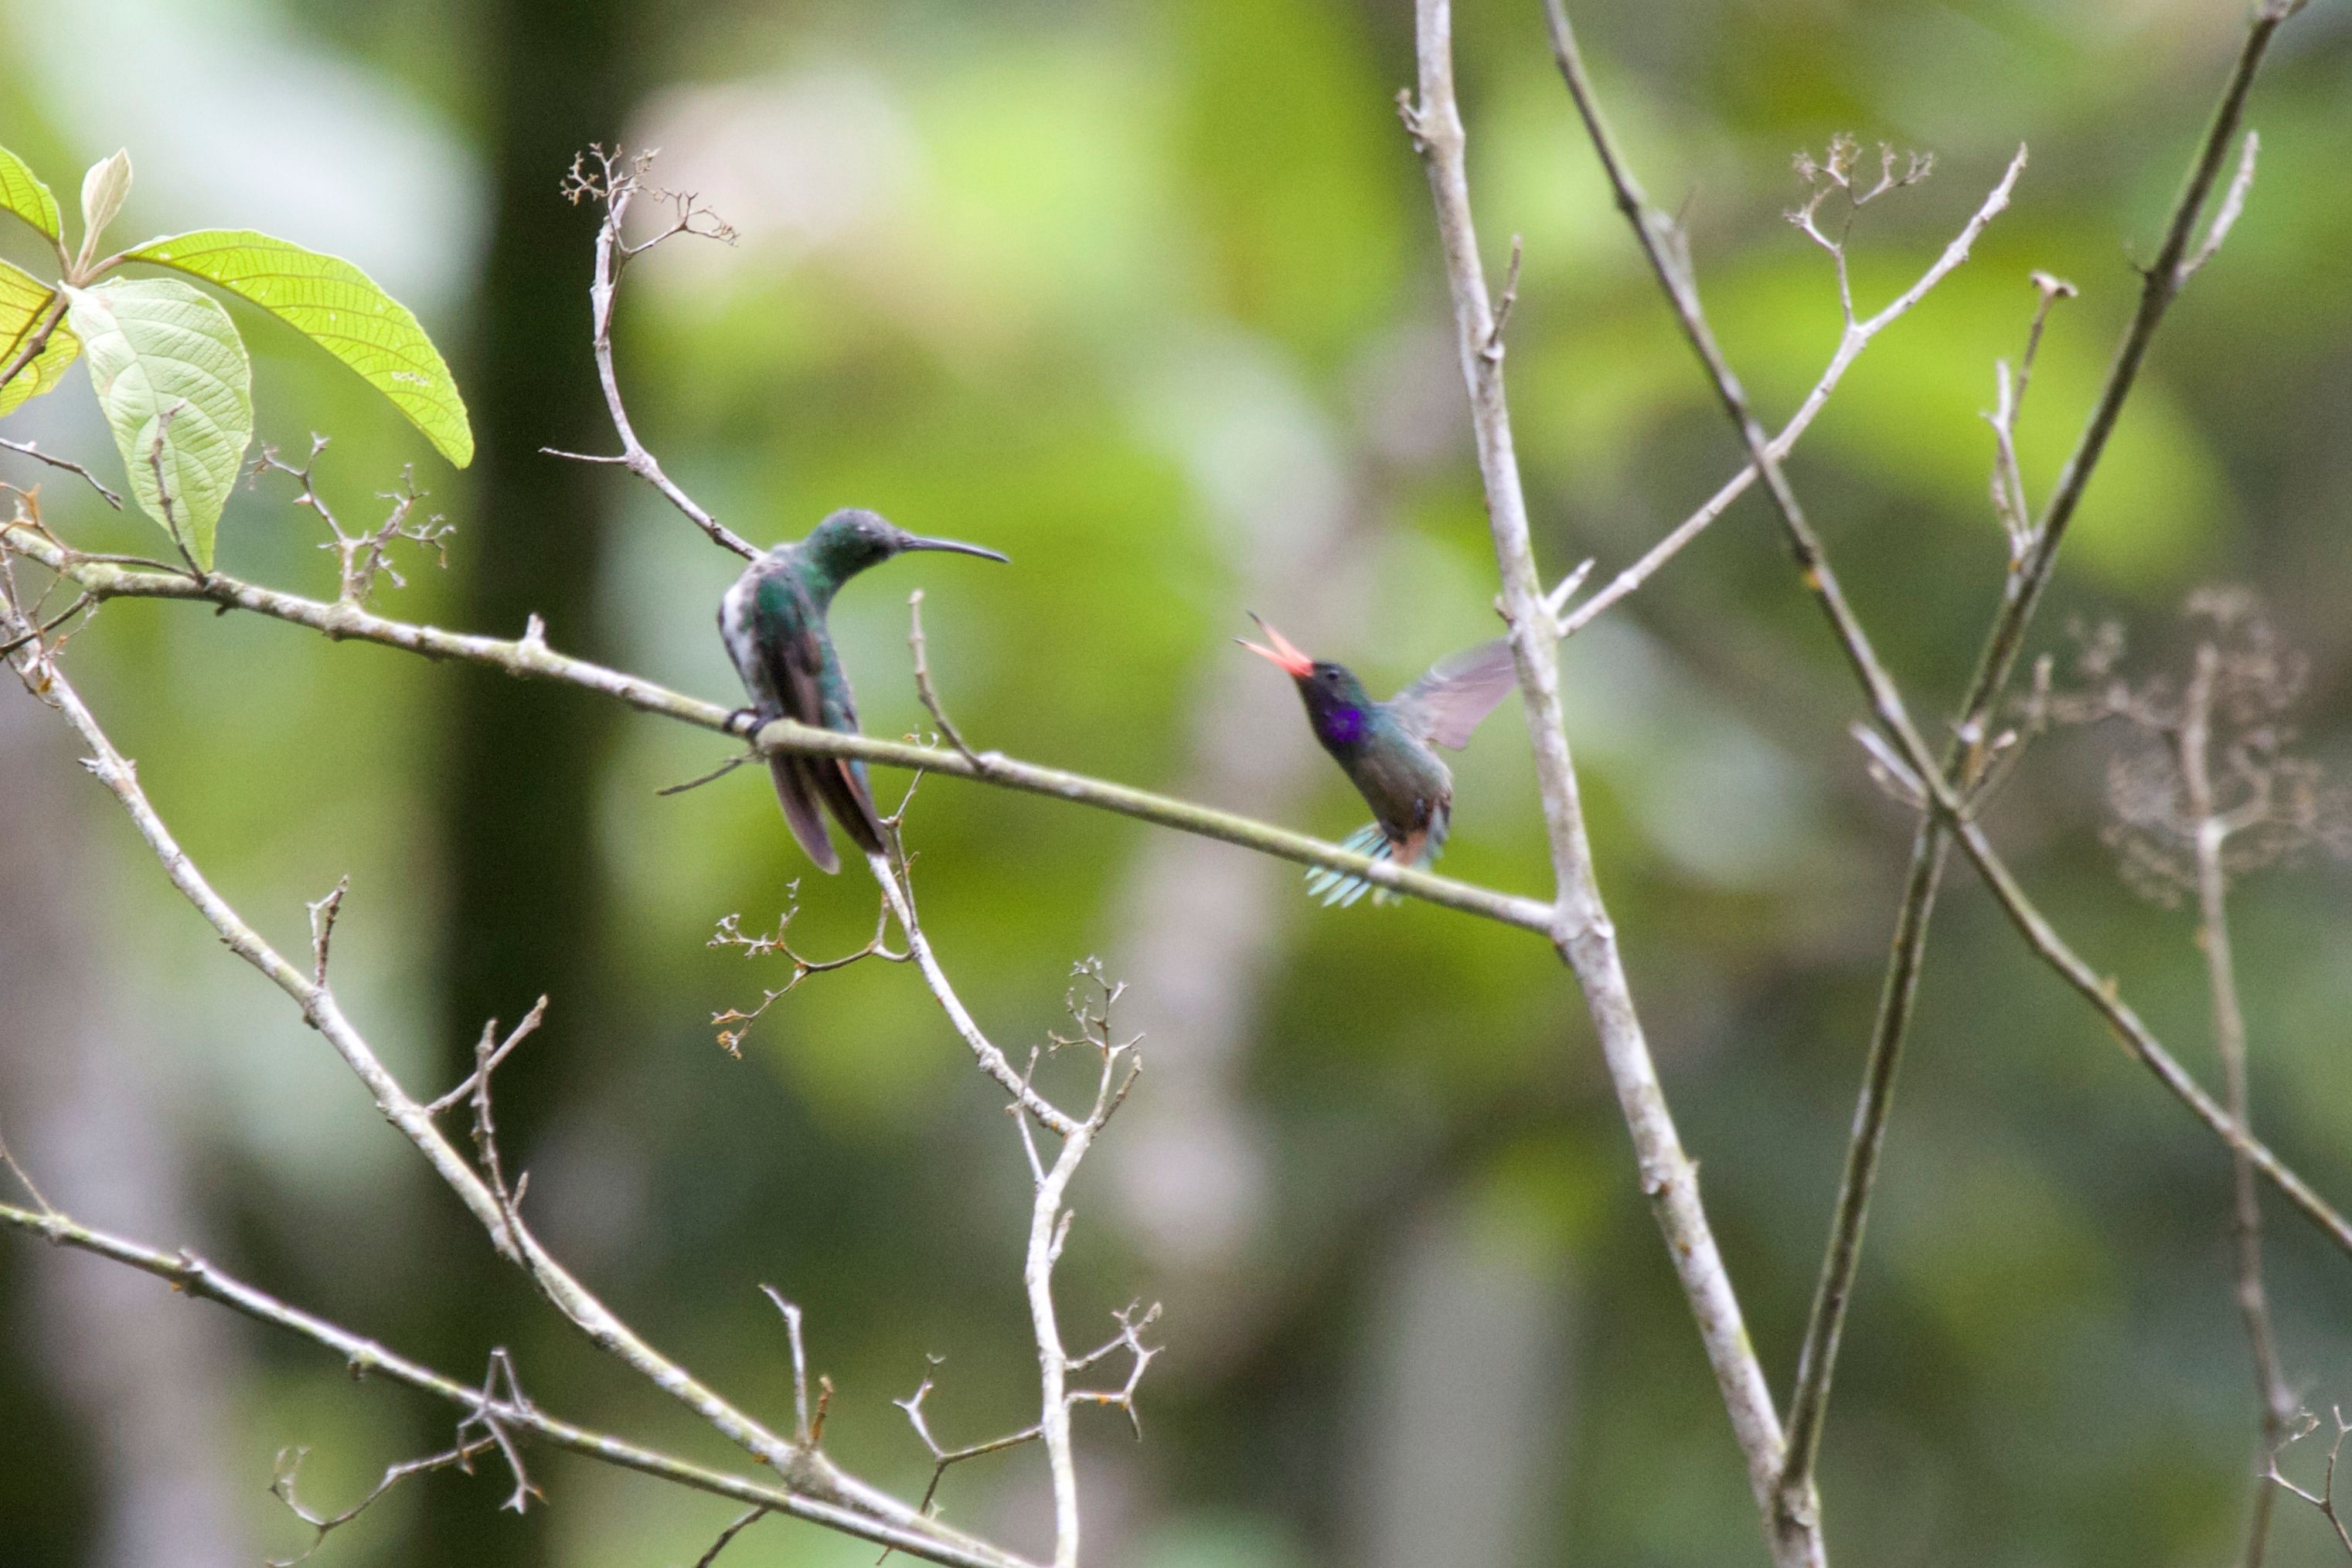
797	792
1343	888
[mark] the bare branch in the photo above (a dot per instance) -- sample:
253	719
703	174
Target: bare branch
1132	1319
930	698
792	1314
2009	502
289	1461
733	1024
1855	337
2324	1499
32	450
716	774
195	1276
23	1179
1963	764
614	182
38	338
487	1056
1583	932
1049	1223
163	489
942	1458
322	927
361	557
743	1521
531	658
492	1203
2275	1399
1796	1508
2225	216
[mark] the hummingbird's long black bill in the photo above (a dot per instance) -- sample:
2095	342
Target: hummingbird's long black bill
917	541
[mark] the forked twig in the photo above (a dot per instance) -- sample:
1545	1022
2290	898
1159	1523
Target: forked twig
1852	339
289	1461
615	181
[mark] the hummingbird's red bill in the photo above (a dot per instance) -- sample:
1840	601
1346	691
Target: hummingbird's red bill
1284	653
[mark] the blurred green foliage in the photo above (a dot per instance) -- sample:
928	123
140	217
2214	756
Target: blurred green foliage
987	250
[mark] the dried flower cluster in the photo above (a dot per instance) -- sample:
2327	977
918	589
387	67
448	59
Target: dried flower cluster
2227	718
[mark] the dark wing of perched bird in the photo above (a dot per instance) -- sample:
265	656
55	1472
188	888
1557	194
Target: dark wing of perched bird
795	654
1445	704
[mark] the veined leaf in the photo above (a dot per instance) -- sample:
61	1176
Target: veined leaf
176	388
338	308
22	192
24	301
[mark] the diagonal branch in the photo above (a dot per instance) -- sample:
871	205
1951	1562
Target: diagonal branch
491	1204
992	1060
1583	932
1852	341
530	658
1945	779
613	182
32	449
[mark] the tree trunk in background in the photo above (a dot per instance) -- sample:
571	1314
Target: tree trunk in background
521	870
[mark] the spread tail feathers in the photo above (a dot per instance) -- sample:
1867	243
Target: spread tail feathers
1344	889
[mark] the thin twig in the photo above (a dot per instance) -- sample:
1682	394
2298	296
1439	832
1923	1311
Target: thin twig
23	1179
2007	484
943	1457
163	489
743	1521
792	1315
716	774
289	1462
984	1051
488	1055
2324	1499
31	347
923	689
361	557
1854	337
1049	1223
322	927
33	451
1584	934
733	1023
615	182
2275	1399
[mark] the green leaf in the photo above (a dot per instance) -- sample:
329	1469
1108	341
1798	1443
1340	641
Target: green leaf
102	189
24	301
22	192
338	308
176	388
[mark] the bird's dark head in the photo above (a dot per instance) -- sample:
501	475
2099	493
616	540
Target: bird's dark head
853	539
1336	704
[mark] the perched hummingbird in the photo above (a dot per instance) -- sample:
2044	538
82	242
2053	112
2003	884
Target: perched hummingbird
774	622
1384	747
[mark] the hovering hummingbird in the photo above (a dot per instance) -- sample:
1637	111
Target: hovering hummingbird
773	623
1384	747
